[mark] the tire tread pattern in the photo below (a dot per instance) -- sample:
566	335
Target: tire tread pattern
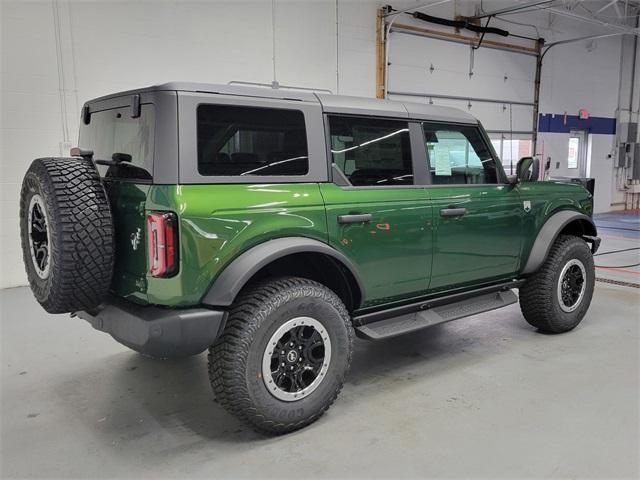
81	231
228	356
538	293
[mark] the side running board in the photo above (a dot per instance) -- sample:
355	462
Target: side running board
410	322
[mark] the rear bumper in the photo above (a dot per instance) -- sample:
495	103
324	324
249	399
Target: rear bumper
155	331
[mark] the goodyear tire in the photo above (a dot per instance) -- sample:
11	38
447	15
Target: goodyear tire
66	231
284	354
558	295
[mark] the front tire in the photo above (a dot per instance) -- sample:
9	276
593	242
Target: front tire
284	354
558	295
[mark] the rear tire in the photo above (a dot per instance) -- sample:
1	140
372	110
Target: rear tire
278	390
66	232
557	296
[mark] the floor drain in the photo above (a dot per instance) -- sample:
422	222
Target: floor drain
618	282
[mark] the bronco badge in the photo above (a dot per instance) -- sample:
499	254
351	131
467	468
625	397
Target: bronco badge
135	239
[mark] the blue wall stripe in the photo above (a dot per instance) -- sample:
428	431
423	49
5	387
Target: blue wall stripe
555	123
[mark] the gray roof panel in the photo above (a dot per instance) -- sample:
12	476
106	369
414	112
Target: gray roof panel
393	108
437	113
330	103
361	106
240	90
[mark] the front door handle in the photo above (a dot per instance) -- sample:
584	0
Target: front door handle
355	218
453	212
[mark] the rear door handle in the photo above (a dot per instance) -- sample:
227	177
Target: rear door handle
453	212
355	218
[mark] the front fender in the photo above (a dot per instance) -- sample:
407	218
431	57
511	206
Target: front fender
549	233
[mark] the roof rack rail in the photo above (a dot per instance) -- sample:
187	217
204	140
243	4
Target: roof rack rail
275	85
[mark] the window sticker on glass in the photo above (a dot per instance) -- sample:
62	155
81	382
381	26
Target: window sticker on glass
459	155
443	164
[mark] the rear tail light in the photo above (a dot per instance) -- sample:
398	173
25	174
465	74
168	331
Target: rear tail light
162	232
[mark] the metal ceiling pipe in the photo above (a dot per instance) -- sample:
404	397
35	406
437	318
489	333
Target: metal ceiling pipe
513	8
594	21
588	37
610	4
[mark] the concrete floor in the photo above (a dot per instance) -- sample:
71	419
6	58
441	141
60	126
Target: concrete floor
619	231
481	397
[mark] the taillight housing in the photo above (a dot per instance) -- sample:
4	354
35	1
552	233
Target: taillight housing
162	234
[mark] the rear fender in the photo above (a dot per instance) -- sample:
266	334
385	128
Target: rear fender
236	275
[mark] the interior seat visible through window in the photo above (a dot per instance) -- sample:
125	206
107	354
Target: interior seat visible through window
372	151
235	141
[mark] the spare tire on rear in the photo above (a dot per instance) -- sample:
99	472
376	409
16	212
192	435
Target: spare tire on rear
66	230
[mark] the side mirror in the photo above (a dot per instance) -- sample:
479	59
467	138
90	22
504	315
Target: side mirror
528	169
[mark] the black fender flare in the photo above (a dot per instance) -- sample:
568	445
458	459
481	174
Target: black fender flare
550	231
236	274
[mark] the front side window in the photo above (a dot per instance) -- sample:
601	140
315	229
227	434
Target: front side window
370	151
458	155
251	141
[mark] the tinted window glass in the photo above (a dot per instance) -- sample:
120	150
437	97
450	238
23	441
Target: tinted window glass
458	155
372	151
251	141
115	131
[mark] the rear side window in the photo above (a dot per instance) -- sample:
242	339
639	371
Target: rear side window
459	155
251	141
372	151
116	131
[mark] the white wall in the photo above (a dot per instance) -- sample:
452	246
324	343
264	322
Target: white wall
110	46
58	53
30	122
575	76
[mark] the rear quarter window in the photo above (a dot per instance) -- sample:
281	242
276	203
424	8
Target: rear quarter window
237	141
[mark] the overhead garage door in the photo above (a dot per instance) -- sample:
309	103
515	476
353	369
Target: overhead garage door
496	86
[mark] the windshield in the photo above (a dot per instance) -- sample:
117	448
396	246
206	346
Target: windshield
115	131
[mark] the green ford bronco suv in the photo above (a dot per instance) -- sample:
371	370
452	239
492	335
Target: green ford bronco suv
270	226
